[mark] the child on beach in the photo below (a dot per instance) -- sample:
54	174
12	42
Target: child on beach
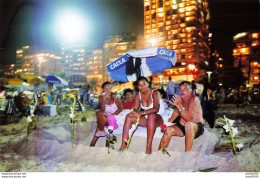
127	100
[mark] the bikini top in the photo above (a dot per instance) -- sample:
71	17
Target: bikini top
147	107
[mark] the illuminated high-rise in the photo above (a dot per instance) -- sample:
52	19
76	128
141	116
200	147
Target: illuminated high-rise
31	62
94	60
246	54
74	63
182	26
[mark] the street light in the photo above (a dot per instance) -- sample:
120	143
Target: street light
40	61
209	73
153	41
70	26
160	76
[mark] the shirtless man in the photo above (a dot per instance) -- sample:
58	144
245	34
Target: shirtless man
187	116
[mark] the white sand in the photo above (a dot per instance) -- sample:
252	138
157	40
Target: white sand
50	145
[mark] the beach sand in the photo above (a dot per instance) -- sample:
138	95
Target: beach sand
49	148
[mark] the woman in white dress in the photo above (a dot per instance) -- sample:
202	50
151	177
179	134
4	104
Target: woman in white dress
109	113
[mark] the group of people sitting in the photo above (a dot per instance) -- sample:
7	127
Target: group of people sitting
149	105
23	103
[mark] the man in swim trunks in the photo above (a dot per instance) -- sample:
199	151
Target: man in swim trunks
187	117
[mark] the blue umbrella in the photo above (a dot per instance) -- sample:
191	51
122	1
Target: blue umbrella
57	81
142	62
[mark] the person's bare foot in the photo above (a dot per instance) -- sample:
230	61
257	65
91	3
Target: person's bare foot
148	151
122	148
100	134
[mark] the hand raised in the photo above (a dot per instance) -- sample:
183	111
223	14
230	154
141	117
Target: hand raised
176	99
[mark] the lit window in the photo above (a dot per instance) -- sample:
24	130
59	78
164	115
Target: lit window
183	50
190	29
255	43
174	16
244	50
160	9
181	4
182	14
190	8
255	77
147	3
189	18
182	35
174	6
255	35
182	25
160	14
160	24
175	31
19	51
175	41
147	27
190	13
182	10
168	28
174	2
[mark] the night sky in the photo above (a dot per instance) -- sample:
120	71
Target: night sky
32	23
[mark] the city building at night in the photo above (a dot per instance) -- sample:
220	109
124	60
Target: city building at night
94	63
182	26
7	70
31	62
74	63
246	53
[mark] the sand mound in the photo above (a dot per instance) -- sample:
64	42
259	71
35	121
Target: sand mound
49	149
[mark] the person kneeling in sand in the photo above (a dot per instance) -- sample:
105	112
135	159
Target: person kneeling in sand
148	100
187	118
108	115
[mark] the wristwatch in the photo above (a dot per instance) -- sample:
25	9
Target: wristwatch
182	109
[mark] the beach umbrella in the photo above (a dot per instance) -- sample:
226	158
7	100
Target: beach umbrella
33	79
57	81
14	81
141	62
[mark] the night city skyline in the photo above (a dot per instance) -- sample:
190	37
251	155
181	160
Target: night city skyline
111	18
